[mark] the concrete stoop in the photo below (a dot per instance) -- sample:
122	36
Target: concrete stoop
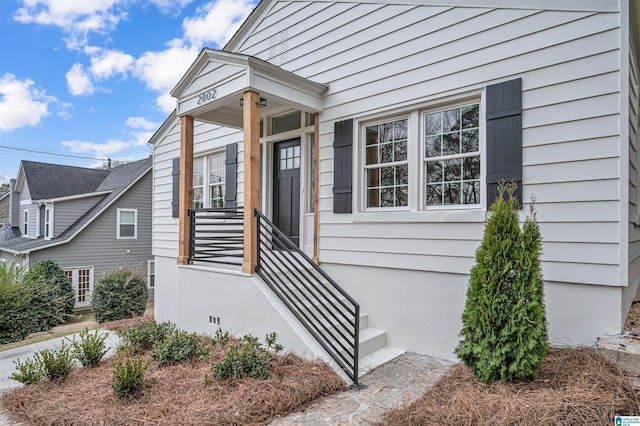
624	352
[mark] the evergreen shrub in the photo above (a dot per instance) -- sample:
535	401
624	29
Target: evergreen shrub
119	294
504	332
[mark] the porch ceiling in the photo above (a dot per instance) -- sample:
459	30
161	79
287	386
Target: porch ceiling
213	86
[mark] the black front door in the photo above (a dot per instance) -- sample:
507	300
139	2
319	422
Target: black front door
286	188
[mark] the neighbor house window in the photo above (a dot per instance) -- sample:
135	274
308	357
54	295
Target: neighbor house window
48	222
386	164
25	225
82	283
127	223
198	183
452	156
209	181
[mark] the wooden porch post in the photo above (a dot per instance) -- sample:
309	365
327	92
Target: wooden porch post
316	185
251	126
186	186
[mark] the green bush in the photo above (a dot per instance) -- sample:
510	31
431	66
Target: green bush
51	271
247	359
178	346
128	374
504	321
30	371
57	364
91	348
27	305
118	295
144	335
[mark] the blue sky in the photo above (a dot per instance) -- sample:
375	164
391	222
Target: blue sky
91	78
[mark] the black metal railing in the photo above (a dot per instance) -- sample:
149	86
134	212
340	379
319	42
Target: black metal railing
216	235
325	309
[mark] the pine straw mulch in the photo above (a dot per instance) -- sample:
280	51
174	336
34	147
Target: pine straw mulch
574	387
174	395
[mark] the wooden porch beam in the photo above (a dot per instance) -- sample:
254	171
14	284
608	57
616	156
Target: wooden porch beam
186	186
316	185
251	126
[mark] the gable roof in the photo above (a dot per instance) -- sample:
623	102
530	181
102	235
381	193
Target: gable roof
47	181
117	181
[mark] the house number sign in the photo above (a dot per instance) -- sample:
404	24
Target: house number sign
207	96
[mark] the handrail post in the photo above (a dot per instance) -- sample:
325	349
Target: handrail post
258	242
192	234
356	345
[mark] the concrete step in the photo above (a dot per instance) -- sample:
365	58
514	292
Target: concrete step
377	358
371	340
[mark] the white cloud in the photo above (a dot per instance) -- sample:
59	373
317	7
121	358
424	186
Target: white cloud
141	123
21	104
216	22
171	6
76	18
160	71
78	81
110	62
136	138
97	149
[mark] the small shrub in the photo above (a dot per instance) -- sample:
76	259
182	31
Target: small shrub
26	305
57	364
128	374
247	359
177	347
49	270
30	371
220	338
91	348
144	335
118	295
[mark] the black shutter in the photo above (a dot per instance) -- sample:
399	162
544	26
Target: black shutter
175	200
504	136
231	176
342	166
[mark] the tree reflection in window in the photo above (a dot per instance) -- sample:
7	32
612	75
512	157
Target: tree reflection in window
452	156
386	165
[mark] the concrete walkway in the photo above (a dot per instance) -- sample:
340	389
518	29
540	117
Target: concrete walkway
398	382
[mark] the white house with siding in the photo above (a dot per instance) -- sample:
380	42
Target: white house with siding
373	134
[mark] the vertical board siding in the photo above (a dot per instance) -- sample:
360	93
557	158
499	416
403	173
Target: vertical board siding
379	59
97	245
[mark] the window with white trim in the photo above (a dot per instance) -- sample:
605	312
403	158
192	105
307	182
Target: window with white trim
423	159
127	224
386	164
452	156
209	179
151	274
48	222
25	225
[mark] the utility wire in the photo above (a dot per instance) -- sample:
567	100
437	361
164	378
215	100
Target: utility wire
53	153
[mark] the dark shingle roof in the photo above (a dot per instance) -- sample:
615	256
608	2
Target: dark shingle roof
47	181
117	181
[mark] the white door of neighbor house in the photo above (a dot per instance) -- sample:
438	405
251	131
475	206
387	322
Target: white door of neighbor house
82	282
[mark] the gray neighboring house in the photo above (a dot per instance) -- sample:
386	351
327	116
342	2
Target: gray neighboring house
87	220
4	208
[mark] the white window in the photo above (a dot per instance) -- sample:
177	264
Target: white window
198	183
151	274
82	282
127	224
209	174
386	164
25	225
452	156
48	222
427	159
